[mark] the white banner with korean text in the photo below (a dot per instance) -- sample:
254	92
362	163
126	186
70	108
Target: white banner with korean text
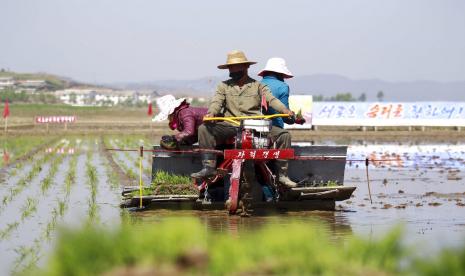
389	114
55	119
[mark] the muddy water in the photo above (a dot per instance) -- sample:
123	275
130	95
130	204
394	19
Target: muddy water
420	187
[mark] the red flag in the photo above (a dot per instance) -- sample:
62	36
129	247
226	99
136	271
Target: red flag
150	111
6	157
6	110
264	104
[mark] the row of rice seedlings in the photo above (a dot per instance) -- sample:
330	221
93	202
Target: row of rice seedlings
129	171
30	207
126	143
133	159
28	257
26	180
112	176
92	180
48	180
70	178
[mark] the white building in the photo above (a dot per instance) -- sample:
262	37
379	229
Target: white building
101	96
6	82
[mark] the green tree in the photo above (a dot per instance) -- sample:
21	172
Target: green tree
362	98
380	96
318	98
343	97
73	98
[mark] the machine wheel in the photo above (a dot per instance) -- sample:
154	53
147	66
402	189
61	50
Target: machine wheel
233	196
232	203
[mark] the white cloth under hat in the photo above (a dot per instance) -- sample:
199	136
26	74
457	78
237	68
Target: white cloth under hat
277	65
166	104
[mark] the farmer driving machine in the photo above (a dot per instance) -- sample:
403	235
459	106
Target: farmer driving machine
246	170
252	150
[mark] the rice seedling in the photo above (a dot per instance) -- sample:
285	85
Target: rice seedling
62	206
29	208
5	233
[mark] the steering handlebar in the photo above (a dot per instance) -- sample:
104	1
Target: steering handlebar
235	120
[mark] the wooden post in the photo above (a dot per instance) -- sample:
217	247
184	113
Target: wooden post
141	156
368	179
6	125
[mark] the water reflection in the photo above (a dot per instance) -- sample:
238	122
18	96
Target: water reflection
337	223
409	156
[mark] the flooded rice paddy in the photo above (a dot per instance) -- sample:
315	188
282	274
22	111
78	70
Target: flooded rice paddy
72	181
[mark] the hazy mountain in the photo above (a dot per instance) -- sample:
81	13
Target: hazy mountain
326	85
329	85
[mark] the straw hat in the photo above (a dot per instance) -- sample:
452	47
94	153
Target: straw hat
166	104
235	57
277	65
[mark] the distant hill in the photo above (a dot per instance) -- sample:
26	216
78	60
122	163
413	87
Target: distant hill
53	82
326	85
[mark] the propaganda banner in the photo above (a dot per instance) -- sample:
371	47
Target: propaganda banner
389	113
55	119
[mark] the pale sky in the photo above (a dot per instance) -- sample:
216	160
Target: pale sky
146	40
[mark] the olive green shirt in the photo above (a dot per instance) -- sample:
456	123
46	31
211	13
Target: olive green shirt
233	101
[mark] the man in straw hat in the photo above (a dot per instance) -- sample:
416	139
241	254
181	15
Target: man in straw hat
239	96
